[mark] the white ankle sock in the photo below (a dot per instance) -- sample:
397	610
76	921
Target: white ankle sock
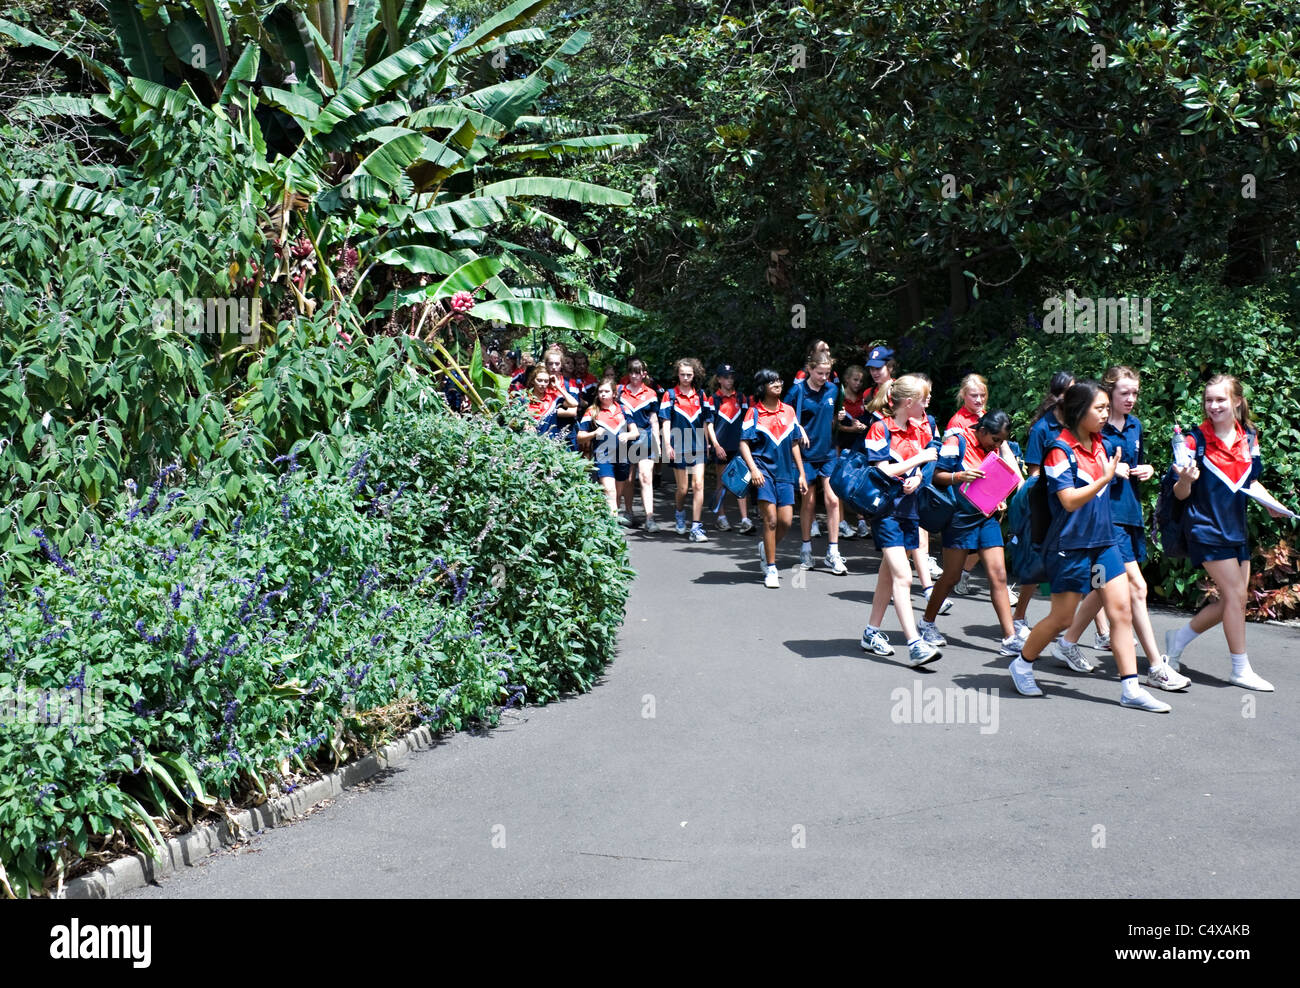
1183	637
1240	664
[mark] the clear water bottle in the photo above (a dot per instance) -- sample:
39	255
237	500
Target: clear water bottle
1182	456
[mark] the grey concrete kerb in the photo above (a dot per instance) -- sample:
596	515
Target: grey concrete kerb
138	870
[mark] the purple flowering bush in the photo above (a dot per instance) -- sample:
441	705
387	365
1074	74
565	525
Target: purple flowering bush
216	665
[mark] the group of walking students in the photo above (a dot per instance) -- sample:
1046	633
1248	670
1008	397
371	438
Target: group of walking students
1085	448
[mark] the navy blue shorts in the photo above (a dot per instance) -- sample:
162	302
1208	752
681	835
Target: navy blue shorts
776	492
1201	553
889	531
986	535
1083	570
823	468
619	471
1132	543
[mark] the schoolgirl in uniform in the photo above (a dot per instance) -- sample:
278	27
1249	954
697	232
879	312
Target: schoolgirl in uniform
882	367
819	349
897	443
1085	554
1123	432
642	404
769	445
687	421
564	392
1047	426
972	397
545	402
729	408
1212	491
607	427
927	567
970	531
973	394
813	400
851	423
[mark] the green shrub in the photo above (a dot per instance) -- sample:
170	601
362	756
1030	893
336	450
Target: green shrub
341	606
519	515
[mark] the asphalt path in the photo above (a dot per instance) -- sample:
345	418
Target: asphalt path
742	744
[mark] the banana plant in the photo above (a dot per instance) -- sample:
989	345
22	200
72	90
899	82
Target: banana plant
397	156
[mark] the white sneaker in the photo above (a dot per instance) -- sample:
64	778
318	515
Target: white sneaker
963	584
697	534
1010	646
816	529
762	557
1022	630
1022	677
1101	642
1068	654
944	608
835	563
1164	678
681	525
863	531
930	634
877	643
745	527
651	526
723	524
936	568
1013	594
846	530
920	653
772	579
1142	700
1251	680
806	559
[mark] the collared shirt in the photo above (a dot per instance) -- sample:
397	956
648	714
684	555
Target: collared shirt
963	421
1089	526
1217	502
642	403
1125	508
771	437
729	418
816	410
543	410
1040	437
886	440
615	421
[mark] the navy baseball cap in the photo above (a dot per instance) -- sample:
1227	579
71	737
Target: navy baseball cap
725	370
880	356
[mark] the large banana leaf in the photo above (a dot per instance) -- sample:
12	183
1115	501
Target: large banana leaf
73	198
601	145
549	314
245	71
419	259
517	13
387	75
448	217
557	188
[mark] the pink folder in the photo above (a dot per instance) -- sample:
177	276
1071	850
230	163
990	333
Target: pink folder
992	489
